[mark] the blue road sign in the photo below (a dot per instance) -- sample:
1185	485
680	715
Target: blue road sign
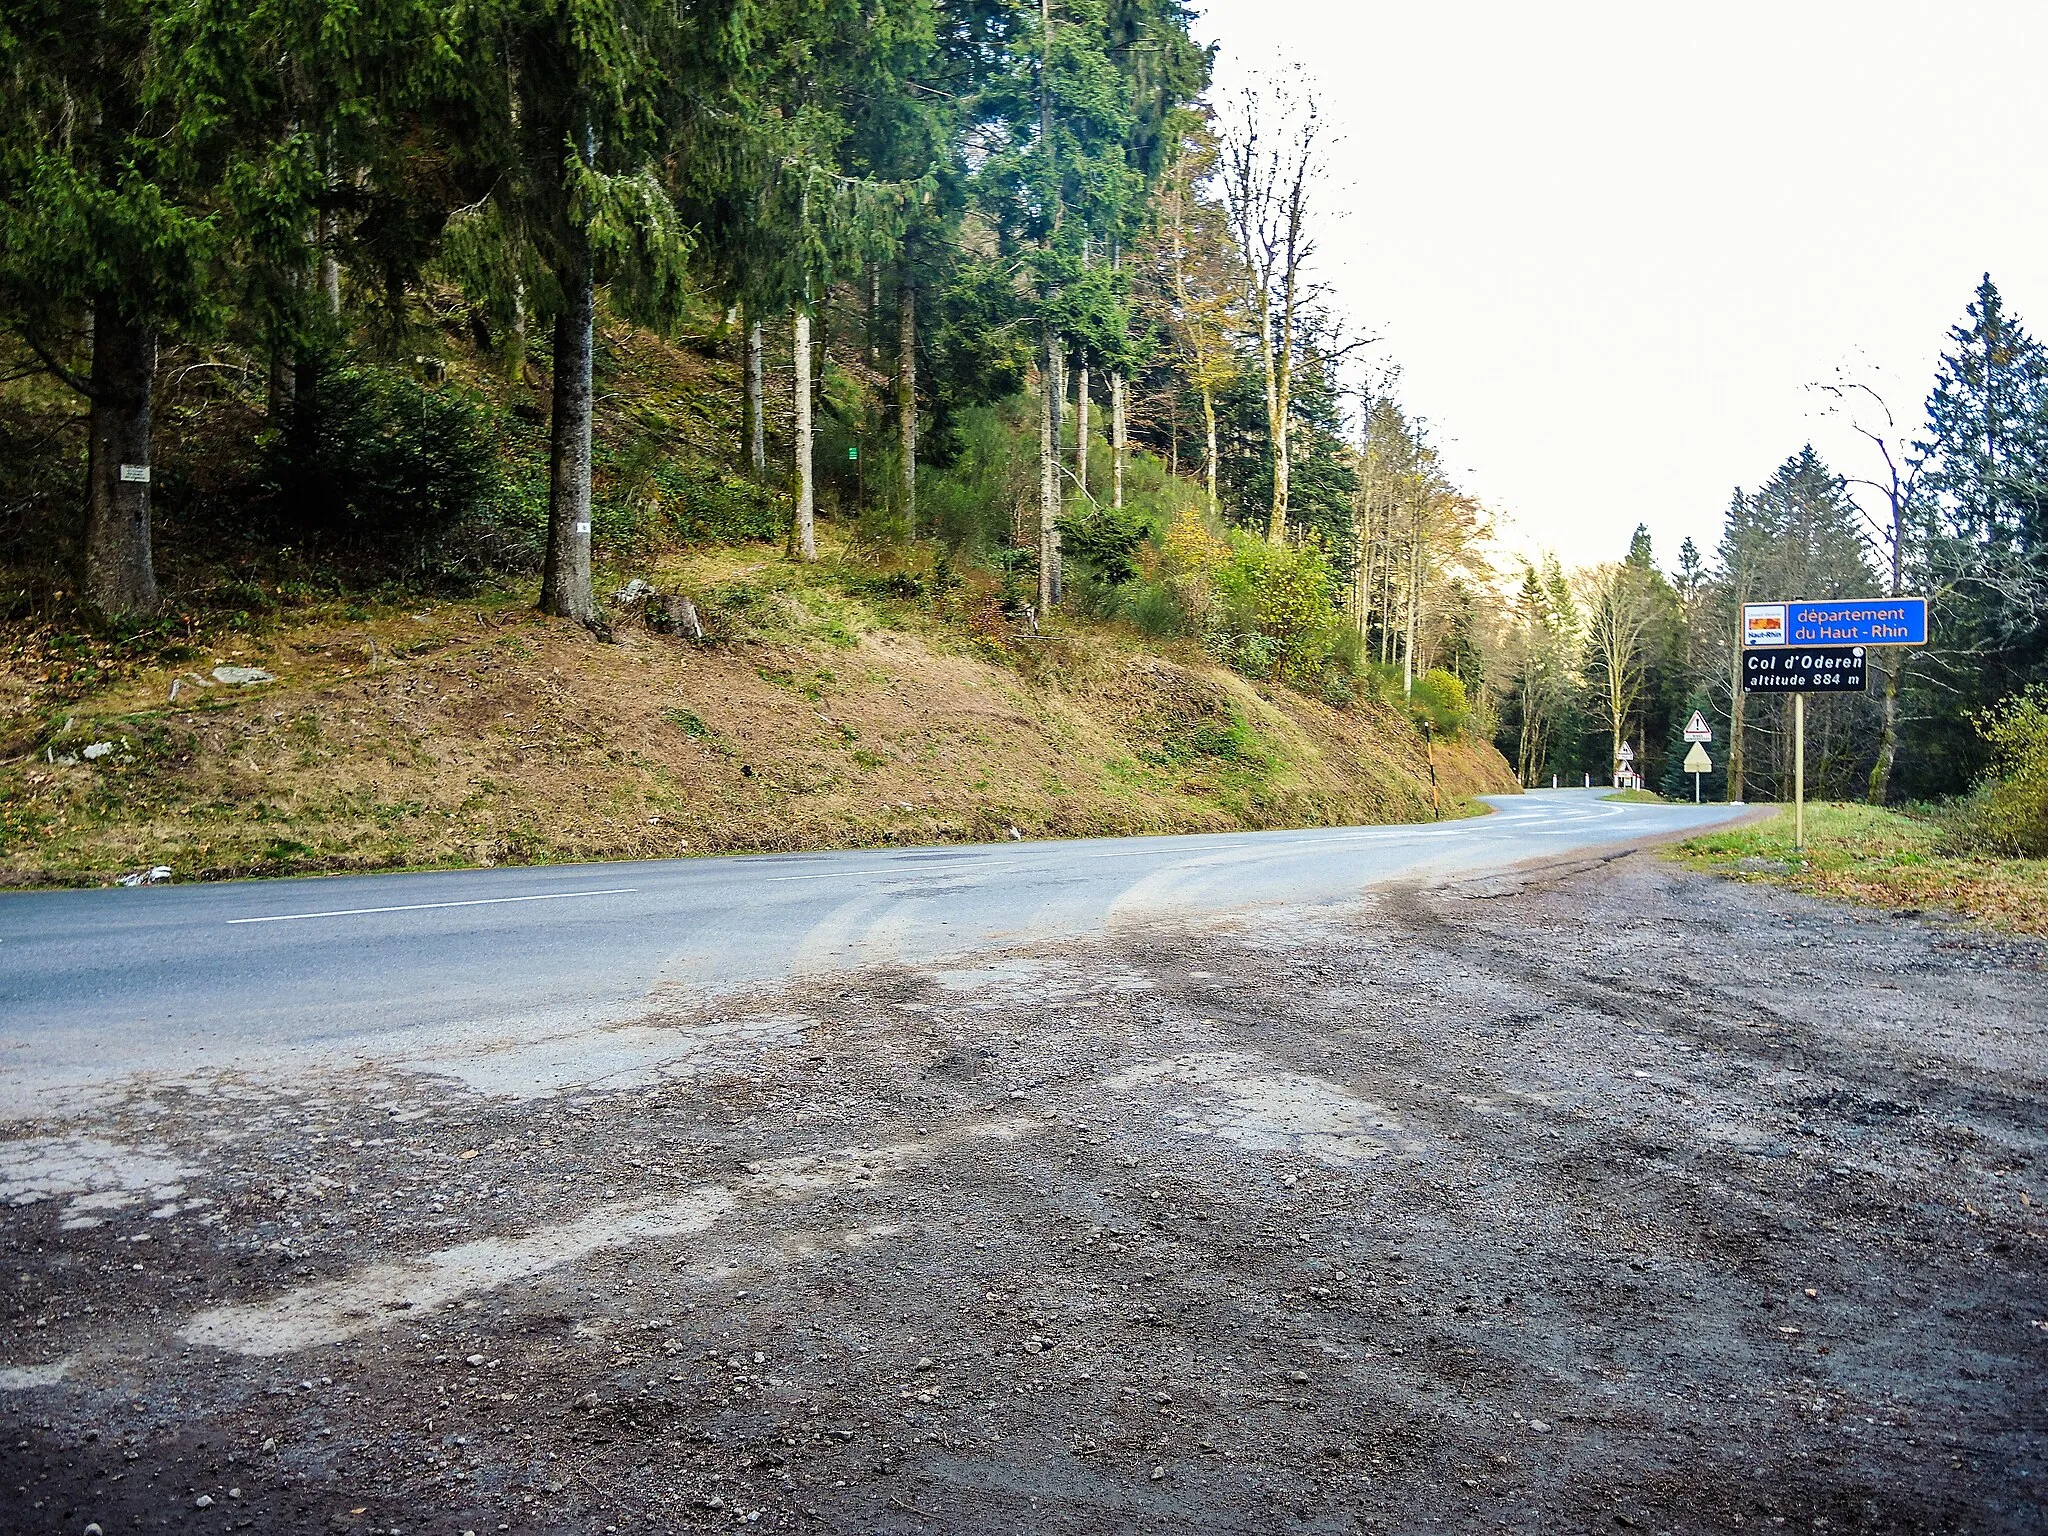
1836	621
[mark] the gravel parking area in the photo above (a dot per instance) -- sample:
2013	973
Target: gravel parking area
1605	1197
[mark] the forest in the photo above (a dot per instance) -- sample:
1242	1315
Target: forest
993	297
1949	501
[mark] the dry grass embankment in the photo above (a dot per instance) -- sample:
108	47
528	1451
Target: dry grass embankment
819	712
1879	857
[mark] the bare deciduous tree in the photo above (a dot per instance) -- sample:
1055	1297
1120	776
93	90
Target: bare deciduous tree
1208	282
1270	161
1897	482
1616	602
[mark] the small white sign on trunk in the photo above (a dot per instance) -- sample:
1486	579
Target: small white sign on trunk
135	474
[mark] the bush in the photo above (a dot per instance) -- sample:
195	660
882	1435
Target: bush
710	506
1107	538
1278	609
988	487
1151	606
1439	698
2007	814
375	457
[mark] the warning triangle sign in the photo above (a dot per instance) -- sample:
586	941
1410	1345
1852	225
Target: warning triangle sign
1697	729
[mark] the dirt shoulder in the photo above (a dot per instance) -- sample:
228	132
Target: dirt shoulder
1625	1198
816	713
1876	857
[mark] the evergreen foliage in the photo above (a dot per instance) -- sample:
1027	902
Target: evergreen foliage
368	242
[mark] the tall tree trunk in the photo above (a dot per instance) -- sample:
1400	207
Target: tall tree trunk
1049	475
282	387
906	395
1888	736
1387	593
330	264
515	347
565	579
1053	387
1081	428
1276	531
1059	398
1118	439
1209	428
1736	700
874	314
330	268
1276	425
1525	748
757	437
1414	604
803	534
120	572
1888	739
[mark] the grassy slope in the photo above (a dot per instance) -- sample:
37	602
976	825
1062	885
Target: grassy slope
478	732
1882	858
818	714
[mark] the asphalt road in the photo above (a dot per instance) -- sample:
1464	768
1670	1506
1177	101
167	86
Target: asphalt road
95	984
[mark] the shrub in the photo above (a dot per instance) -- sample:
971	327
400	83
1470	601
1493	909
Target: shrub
1151	606
710	506
1107	538
1439	698
376	457
2007	814
1284	594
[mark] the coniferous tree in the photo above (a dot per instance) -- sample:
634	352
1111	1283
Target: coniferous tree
581	110
1981	543
1799	535
108	243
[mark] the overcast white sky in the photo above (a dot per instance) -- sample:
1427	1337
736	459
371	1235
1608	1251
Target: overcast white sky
1610	245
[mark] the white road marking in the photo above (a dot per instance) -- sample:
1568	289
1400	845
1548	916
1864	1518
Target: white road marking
1220	847
23	1378
378	1295
427	906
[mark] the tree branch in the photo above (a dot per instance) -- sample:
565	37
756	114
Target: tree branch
70	379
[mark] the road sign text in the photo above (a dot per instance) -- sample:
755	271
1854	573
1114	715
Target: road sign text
1844	621
1805	669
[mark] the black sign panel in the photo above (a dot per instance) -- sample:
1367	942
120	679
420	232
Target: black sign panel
1803	669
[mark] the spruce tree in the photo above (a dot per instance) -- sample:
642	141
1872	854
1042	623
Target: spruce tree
1986	475
109	243
1987	428
580	110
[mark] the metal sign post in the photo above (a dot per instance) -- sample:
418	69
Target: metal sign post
1696	763
1799	772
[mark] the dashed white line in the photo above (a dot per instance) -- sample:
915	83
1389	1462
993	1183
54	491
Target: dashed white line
428	906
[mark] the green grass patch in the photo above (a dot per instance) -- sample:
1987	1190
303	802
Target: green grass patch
1877	857
1635	797
689	722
